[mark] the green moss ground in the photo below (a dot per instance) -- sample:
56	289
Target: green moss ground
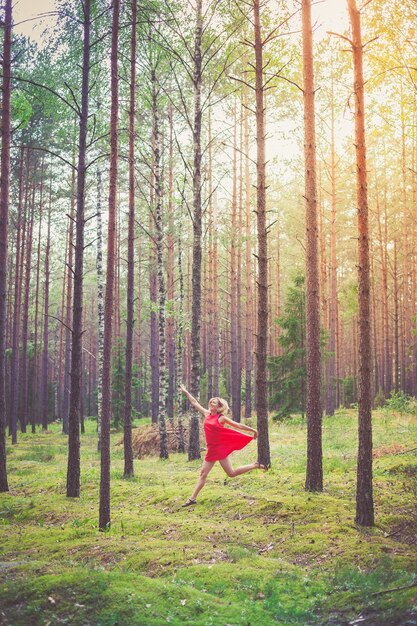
256	549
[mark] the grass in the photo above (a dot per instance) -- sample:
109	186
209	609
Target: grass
256	550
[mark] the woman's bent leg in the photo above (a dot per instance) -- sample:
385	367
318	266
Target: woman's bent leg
228	468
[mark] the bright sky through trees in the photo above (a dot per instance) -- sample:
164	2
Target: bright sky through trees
327	15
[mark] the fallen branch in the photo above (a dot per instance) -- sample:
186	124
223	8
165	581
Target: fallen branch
380	593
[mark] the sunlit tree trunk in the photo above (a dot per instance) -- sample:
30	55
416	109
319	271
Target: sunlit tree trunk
314	474
364	495
262	278
248	272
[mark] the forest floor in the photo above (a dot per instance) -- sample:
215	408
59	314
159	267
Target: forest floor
255	550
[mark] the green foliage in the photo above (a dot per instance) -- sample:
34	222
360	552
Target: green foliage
348	387
379	399
21	108
400	402
288	371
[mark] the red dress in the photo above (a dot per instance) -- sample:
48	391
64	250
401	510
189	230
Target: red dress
222	441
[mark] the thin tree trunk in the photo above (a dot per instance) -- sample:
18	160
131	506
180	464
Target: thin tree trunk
333	321
73	471
163	446
233	283
364	496
44	377
180	339
104	513
194	441
170	277
68	315
4	221
25	322
248	272
127	428
262	331
14	382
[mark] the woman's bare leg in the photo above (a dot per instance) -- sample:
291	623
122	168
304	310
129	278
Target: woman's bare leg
204	472
228	468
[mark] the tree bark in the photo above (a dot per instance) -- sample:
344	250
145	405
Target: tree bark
73	471
104	513
163	442
44	375
314	473
364	496
127	428
262	330
4	222
194	440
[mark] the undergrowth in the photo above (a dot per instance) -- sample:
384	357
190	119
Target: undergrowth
255	550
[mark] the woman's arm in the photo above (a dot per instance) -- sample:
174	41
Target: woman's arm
238	426
194	402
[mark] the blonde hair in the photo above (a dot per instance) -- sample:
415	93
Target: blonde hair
223	406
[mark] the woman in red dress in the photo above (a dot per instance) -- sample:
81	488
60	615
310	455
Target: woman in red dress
221	441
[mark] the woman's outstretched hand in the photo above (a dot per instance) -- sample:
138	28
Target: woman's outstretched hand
255	434
182	388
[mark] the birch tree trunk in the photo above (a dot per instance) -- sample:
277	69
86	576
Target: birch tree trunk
194	442
180	351
100	309
163	443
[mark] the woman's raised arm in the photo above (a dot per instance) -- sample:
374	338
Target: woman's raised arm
193	401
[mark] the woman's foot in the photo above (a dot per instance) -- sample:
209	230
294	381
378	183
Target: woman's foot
189	502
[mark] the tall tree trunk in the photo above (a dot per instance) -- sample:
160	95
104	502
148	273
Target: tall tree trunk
25	322
153	294
68	314
104	513
262	331
44	376
235	389
194	442
100	309
180	339
333	321
73	470
364	496
170	276
14	382
248	272
163	447
314	473
33	382
127	427
4	222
